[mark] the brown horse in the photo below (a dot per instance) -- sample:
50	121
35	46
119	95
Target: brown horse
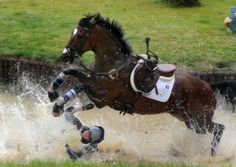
192	100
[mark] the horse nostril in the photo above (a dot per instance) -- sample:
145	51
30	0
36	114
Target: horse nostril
64	57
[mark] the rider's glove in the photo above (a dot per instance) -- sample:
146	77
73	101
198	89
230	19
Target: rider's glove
88	107
58	108
53	96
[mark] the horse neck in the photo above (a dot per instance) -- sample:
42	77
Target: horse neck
108	51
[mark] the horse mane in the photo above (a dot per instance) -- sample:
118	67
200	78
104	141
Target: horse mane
111	26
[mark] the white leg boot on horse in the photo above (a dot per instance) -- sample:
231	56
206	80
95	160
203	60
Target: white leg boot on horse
217	132
214	128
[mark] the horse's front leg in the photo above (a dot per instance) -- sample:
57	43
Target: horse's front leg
52	90
58	107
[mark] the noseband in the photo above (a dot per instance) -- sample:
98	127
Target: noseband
71	52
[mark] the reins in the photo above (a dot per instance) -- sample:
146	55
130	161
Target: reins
112	74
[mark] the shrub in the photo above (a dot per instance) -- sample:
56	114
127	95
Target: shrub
182	3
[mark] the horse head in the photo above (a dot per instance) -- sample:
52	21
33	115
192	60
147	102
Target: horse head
103	37
79	41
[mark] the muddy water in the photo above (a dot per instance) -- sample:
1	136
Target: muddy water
29	131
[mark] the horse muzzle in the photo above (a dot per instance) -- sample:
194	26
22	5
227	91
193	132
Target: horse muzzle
68	55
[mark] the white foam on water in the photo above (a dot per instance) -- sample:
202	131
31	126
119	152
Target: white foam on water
29	131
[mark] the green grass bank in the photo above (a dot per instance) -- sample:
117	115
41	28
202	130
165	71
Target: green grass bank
192	38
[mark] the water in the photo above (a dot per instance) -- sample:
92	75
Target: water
29	132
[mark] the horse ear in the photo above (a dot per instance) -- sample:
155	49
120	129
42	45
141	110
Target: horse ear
93	21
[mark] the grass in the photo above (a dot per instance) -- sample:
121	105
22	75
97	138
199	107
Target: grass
191	38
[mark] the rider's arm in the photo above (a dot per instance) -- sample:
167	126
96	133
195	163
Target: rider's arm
69	115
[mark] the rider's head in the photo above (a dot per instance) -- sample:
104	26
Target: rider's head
91	135
86	136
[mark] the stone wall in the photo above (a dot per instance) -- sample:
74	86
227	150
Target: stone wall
12	69
43	73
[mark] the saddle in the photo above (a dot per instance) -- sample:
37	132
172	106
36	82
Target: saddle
146	74
166	70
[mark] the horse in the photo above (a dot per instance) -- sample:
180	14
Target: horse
108	81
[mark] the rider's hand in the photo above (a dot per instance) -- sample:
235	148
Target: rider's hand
88	107
53	96
58	108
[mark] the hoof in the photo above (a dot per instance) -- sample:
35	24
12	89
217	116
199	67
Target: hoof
213	152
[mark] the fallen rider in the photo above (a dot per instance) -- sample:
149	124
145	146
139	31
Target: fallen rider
91	136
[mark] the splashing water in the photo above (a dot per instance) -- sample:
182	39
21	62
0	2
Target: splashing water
29	131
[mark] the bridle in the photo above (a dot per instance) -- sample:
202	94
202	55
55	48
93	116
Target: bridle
73	52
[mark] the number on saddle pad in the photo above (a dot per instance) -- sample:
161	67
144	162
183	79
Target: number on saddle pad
232	15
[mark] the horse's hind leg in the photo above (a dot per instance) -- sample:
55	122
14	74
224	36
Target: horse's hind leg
200	126
234	103
217	130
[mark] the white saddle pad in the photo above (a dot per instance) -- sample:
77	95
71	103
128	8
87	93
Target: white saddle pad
164	87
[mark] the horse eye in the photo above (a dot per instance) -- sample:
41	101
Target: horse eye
80	31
